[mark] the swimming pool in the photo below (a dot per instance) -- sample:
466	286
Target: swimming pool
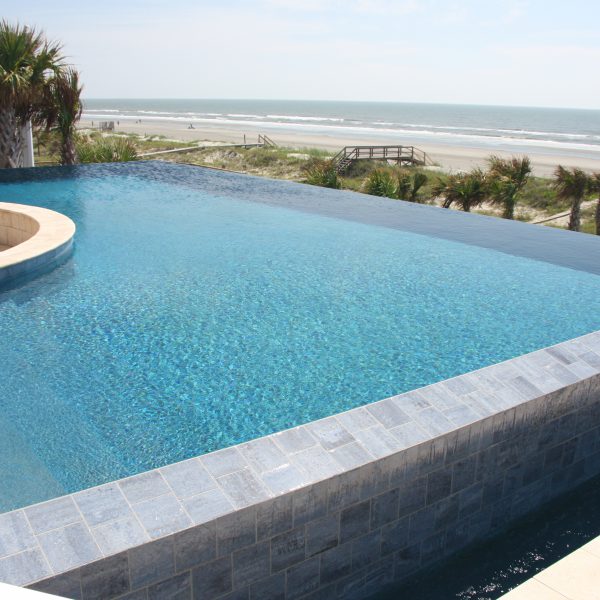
196	313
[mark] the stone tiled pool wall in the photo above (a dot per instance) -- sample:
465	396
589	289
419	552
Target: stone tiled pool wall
336	508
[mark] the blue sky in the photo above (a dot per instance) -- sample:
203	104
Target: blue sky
516	52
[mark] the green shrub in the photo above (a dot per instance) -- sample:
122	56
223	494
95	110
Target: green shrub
114	149
380	183
322	173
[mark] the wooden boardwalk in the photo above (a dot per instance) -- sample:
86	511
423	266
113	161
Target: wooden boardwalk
401	155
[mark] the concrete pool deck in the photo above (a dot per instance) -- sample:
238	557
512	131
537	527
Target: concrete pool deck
344	505
575	577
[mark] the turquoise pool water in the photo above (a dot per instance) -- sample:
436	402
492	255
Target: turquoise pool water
189	319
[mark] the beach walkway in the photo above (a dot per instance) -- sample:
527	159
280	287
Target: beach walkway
401	155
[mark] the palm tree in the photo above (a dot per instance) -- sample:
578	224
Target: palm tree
27	62
594	187
62	109
508	176
465	189
409	185
572	185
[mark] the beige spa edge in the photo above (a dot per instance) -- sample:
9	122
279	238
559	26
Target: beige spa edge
30	232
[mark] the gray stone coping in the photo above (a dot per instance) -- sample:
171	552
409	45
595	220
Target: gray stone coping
59	535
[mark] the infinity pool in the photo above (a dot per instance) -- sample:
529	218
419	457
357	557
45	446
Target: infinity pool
188	319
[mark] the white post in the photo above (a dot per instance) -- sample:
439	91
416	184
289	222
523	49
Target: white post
27	136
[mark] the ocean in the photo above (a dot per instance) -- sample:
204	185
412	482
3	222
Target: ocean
518	129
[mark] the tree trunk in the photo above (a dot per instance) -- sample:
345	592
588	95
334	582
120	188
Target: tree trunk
575	219
509	209
11	142
67	151
598	217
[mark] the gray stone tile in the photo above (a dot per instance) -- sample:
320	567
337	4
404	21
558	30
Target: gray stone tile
379	441
52	514
271	588
592	359
351	455
295	440
224	462
439	396
336	563
236	530
24	567
384	508
354	521
242	594
119	535
66	585
212	579
274	516
208	506
356	420
263	455
316	462
345	489
461	415
303	578
310	503
434	421
562	354
439	484
188	478
144	486
459	386
394	536
562	373
388	413
102	504
287	549
411	497
410	434
69	547
251	564
195	546
412	402
137	595
162	515
106	578
15	533
582	369
322	534
175	588
244	488
330	433
366	550
525	387
284	479
151	562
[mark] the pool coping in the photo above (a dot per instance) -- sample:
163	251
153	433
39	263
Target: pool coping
43	540
51	239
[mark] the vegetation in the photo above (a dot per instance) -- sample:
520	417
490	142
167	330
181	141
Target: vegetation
322	173
403	185
381	183
594	188
467	190
28	63
105	149
572	184
63	107
507	177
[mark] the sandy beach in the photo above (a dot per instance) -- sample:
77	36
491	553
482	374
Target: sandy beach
450	157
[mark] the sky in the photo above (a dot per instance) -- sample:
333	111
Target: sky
505	52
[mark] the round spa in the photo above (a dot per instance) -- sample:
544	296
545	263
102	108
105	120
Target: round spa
31	238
